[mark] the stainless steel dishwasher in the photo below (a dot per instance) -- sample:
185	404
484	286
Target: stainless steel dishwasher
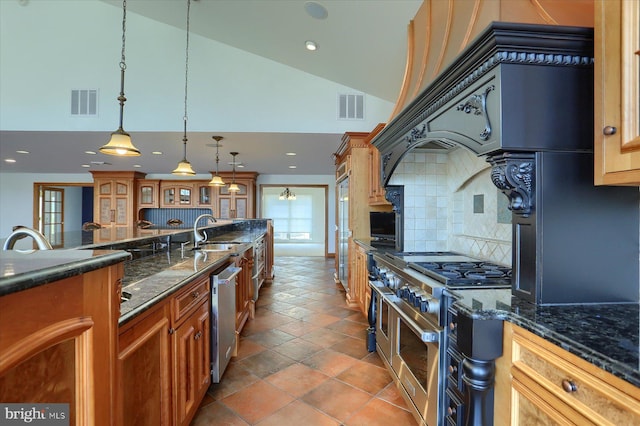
223	319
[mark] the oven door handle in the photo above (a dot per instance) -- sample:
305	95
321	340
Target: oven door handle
430	335
379	288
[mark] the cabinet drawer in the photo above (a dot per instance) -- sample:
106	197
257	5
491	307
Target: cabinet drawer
188	298
574	383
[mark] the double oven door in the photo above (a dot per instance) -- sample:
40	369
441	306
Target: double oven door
400	340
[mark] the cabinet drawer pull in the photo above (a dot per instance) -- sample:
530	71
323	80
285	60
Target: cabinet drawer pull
569	386
195	294
609	130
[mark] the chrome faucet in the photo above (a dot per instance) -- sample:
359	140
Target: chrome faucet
200	236
23	231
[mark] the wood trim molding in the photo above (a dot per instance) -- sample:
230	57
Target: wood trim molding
445	41
406	81
472	23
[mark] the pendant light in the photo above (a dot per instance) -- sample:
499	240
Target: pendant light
216	180
233	187
184	167
120	142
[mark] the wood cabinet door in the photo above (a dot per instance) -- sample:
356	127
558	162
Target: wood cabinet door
176	194
191	363
59	345
244	291
114	206
144	389
617	92
147	194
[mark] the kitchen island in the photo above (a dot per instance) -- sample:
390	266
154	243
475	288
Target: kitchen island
99	317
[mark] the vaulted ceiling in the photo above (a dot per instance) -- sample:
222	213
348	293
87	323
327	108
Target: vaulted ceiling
361	45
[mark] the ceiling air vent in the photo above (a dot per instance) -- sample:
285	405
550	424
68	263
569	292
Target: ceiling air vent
351	106
84	102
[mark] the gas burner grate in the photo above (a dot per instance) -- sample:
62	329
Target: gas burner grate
465	274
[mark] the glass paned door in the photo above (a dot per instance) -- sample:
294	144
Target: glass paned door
52	215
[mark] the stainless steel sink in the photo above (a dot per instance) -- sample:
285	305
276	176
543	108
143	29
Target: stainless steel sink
217	246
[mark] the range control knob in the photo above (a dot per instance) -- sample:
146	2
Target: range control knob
430	305
403	292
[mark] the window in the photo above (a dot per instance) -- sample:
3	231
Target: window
296	221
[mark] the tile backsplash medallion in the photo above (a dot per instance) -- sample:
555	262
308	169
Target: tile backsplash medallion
440	188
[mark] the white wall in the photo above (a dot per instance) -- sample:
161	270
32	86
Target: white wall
16	196
48	48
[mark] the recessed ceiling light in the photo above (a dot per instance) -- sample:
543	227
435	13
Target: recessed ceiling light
22	151
293	167
137	166
90	152
9	160
240	166
316	10
290	153
311	45
86	165
157	152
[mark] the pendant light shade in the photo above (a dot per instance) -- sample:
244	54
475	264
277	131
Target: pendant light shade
120	142
184	167
233	187
216	180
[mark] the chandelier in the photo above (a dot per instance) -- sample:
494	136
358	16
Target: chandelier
287	195
184	167
120	142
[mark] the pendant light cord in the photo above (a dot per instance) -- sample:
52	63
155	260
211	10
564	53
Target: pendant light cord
123	65
186	81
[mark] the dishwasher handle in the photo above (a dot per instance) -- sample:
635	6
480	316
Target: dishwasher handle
226	276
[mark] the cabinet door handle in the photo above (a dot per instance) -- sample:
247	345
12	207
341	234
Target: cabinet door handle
197	335
609	130
569	386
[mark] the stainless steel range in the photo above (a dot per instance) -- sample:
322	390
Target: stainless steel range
408	319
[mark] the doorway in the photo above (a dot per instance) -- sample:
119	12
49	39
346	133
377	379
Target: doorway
61	208
299	215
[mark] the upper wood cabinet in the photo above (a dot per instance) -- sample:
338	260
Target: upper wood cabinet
617	92
176	194
148	193
376	191
115	197
203	194
241	204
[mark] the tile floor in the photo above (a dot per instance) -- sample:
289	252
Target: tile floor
303	360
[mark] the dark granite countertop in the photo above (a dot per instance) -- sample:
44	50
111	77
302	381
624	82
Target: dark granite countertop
606	335
153	278
23	270
148	279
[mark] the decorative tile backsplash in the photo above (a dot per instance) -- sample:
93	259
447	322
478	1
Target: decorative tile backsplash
442	191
